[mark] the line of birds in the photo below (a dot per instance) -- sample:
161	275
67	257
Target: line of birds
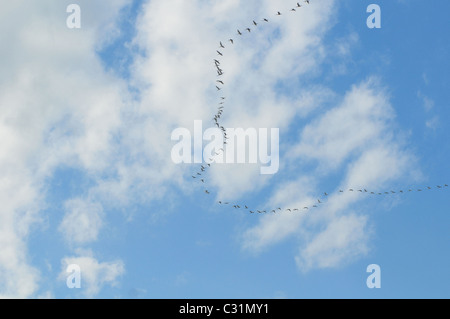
200	175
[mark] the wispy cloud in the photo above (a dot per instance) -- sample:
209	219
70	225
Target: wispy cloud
82	221
345	238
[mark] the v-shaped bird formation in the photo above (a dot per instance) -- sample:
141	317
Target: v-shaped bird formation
200	175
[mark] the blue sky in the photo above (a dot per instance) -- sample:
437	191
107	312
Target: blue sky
86	172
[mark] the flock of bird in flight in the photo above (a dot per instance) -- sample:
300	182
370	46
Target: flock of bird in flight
201	173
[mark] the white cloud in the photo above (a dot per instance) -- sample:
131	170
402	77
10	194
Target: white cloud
359	121
356	136
428	103
57	107
82	221
345	238
432	123
357	140
94	274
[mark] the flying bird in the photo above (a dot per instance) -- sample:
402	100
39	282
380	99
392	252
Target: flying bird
254	22
265	20
279	13
220	53
221	44
239	32
231	40
249	30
